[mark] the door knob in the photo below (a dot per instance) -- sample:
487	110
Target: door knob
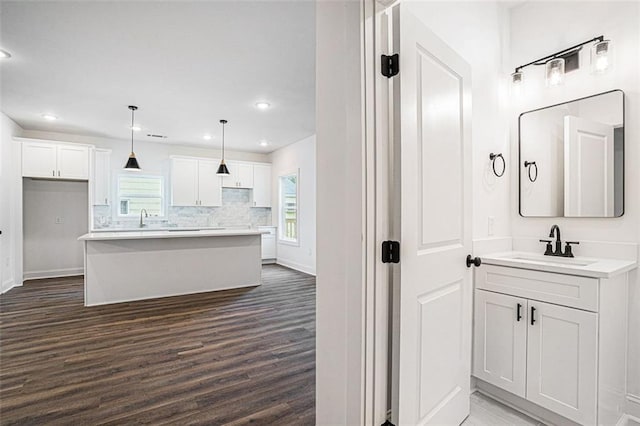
473	261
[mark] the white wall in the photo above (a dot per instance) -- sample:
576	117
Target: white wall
8	130
541	28
52	249
298	157
476	30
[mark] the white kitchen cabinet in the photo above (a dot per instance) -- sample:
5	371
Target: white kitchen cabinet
262	185
268	244
562	360
55	161
101	179
500	340
194	182
209	183
566	354
240	175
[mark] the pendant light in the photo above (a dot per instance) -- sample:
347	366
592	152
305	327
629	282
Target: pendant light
222	169
132	162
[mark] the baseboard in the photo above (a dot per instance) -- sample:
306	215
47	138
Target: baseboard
633	407
297	266
7	285
54	273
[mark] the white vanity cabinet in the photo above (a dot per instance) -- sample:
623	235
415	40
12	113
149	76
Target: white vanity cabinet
554	340
101	177
55	160
194	182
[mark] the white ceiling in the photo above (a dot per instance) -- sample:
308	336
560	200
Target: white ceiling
185	64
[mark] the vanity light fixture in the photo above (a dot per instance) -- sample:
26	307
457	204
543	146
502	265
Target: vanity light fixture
49	117
263	105
222	169
567	60
4	54
132	162
601	56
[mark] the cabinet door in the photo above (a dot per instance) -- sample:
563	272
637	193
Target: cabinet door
73	162
101	177
562	360
184	182
268	246
261	185
245	175
232	180
500	341
209	183
39	160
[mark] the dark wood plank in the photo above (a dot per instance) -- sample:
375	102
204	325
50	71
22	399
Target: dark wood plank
236	357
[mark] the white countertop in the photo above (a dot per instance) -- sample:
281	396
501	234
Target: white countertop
181	233
583	266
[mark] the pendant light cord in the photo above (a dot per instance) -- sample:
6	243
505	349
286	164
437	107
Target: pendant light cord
132	113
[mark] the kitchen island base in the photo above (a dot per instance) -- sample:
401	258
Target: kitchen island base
127	269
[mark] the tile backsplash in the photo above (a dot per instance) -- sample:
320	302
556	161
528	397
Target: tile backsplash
236	211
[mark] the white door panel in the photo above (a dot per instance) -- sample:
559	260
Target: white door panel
73	162
39	159
184	182
209	183
432	131
589	168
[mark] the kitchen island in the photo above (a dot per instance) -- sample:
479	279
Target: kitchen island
127	266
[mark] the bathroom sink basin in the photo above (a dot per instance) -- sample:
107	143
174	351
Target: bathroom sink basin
555	260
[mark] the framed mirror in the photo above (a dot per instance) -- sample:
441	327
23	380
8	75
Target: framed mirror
571	158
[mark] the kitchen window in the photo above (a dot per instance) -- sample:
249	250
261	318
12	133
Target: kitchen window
136	192
289	208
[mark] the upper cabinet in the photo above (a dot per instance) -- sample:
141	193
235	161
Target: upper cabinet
262	185
194	182
101	179
55	161
240	175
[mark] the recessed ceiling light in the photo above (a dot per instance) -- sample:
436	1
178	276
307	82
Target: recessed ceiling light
4	54
263	105
264	143
49	117
136	128
207	137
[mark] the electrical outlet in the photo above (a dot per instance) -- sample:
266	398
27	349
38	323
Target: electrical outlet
490	222
59	220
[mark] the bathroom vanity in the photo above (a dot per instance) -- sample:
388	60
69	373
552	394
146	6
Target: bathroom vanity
552	332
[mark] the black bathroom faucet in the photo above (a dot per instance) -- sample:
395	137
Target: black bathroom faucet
555	230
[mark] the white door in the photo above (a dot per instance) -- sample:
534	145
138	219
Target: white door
500	341
209	183
261	185
432	113
562	360
73	162
39	160
184	182
588	168
245	175
231	181
101	177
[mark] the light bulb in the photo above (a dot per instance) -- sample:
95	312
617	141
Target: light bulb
554	72
601	53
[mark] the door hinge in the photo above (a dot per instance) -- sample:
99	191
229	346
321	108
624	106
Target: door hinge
390	65
390	252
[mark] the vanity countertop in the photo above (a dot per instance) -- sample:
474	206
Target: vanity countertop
582	266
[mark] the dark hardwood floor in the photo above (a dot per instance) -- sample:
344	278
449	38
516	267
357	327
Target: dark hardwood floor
231	357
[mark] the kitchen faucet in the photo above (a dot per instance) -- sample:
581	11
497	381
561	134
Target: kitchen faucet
145	215
555	230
